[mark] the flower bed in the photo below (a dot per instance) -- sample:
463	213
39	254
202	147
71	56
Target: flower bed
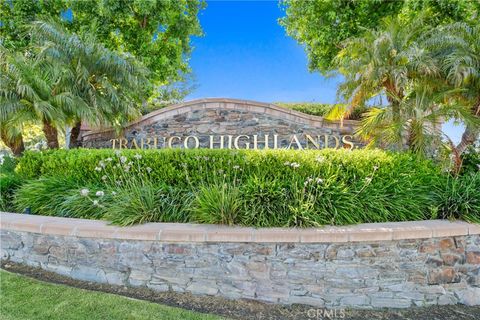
255	188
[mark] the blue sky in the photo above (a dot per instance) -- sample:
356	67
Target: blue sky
246	54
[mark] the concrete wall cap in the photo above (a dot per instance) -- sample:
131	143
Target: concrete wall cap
187	232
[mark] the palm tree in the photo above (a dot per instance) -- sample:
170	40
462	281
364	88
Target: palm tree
458	46
392	62
25	96
101	87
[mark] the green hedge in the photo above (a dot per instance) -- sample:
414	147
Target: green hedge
320	109
255	188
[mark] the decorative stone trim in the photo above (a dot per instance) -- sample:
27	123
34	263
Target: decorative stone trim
396	265
186	232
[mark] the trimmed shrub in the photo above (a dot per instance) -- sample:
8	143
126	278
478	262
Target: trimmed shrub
255	188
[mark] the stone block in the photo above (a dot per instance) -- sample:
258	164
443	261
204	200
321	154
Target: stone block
445	275
86	273
378	302
353	301
473	257
469	297
207	287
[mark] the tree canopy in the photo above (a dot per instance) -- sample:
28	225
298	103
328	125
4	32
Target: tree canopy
321	26
156	32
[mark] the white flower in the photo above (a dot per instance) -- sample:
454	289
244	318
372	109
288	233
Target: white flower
2	159
149	169
117	153
118	182
100	193
375	168
319	180
98	169
123	159
320	158
236	167
295	165
309	180
101	164
137	156
287	163
95	203
109	159
84	192
104	178
368	179
127	168
114	193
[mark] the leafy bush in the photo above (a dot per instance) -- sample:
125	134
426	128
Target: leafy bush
9	182
320	110
255	188
471	160
460	198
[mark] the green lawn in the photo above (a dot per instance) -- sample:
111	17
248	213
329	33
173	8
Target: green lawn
25	298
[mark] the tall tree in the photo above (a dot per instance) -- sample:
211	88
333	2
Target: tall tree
381	64
322	25
16	16
26	95
458	46
99	85
67	79
157	32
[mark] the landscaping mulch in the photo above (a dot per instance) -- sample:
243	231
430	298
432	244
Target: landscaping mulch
247	309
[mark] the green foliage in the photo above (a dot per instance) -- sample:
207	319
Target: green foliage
9	182
45	195
471	160
217	204
321	110
156	31
460	198
322	26
15	17
254	188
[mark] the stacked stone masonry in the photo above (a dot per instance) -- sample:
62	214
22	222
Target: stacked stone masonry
362	274
223	117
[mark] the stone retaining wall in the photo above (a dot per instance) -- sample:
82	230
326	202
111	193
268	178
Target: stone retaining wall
372	265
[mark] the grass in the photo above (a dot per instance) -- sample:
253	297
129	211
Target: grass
22	298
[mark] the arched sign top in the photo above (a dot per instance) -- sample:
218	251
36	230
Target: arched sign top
232	122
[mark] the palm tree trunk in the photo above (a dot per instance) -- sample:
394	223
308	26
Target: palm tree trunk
471	134
15	144
74	135
51	134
